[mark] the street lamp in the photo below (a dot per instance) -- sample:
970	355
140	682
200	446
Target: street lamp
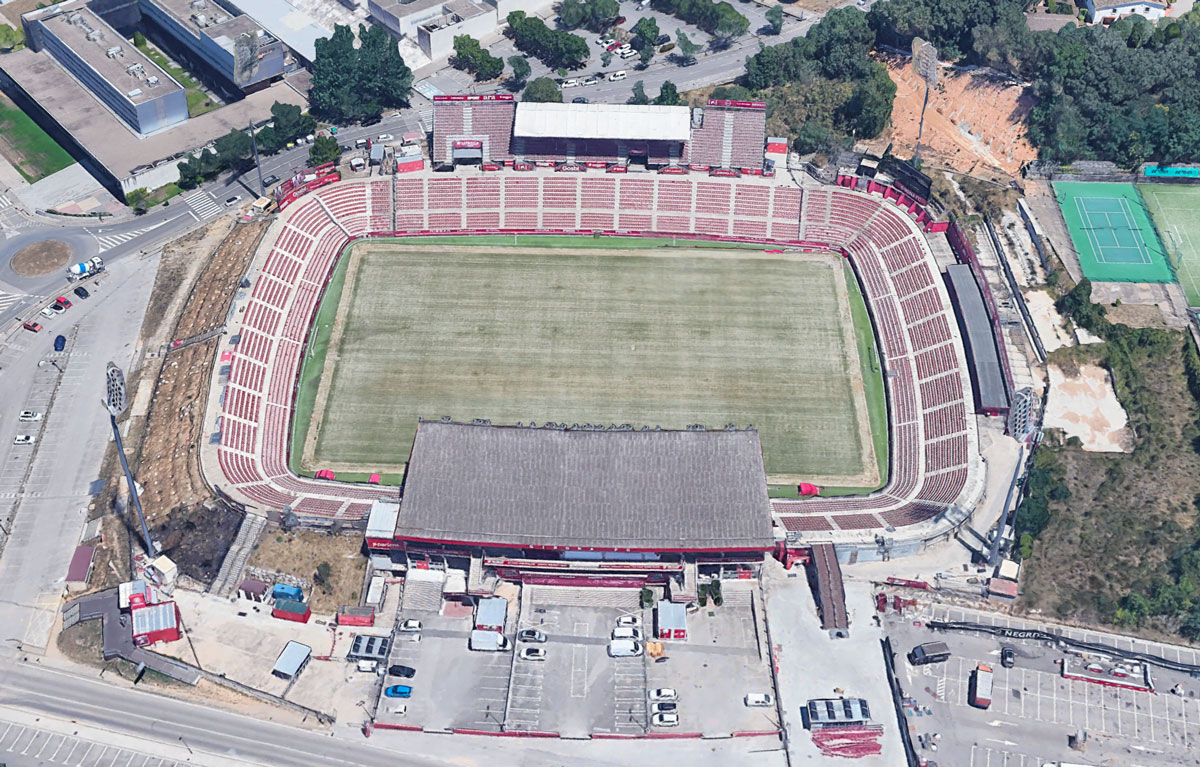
115	402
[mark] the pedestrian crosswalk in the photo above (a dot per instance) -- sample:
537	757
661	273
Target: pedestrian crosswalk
30	745
4	201
8	299
203	203
110	241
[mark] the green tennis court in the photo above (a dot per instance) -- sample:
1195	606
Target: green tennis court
1173	209
1112	233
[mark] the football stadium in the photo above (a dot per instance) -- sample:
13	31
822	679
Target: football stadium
570	311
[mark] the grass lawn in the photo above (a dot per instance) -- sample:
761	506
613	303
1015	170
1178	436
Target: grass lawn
198	101
666	337
29	148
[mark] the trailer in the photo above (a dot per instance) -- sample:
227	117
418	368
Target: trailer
981	686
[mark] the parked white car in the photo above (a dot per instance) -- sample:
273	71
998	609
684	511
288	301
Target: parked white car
624	648
627	632
410	625
23	439
759	699
30	416
663	694
630	620
533	653
665	720
570	83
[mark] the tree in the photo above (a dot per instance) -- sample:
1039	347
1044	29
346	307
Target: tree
290	122
139	40
381	72
775	19
554	48
543	89
606	58
520	68
471	57
645	54
136	199
645	32
324	149
668	95
268	141
572	14
323	574
687	49
639	94
813	136
870	107
334	72
233	149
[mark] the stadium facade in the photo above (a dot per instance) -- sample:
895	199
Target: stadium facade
579	506
724	138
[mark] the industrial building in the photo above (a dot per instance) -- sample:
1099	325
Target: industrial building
433	24
579	506
128	83
231	45
292	660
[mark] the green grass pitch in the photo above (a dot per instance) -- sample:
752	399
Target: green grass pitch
1174	210
654	336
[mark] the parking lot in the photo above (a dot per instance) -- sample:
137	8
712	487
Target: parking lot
454	688
578	690
1033	707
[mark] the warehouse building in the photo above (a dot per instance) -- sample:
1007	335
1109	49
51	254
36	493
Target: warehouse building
580	506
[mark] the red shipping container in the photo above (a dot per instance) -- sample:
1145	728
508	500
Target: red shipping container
286	609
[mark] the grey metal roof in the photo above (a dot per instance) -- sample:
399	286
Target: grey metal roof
153	618
990	391
291	659
576	488
672	615
492	611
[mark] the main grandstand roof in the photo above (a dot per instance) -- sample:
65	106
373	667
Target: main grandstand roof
602	121
575	488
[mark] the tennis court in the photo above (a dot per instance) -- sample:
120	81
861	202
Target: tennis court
1111	230
1173	209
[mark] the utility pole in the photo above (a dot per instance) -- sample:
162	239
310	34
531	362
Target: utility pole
925	62
262	188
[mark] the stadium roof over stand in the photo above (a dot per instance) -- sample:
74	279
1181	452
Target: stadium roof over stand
602	121
990	392
586	489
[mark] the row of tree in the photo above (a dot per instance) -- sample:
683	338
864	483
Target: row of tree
1128	92
235	152
554	47
596	15
719	19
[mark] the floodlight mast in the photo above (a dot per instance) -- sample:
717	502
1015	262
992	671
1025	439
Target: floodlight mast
925	63
115	402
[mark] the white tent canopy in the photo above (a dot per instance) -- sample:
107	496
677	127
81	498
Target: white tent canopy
602	121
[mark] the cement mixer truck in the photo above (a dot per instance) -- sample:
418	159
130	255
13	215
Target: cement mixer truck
89	268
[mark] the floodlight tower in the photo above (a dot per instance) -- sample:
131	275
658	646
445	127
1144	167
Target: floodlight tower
115	402
925	62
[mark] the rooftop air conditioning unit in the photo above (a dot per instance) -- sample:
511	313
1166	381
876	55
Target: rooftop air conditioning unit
697	118
221	19
198	3
94	35
75	18
200	19
152	80
134	92
114	51
134	70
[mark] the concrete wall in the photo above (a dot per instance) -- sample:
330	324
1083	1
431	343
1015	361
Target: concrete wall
439	44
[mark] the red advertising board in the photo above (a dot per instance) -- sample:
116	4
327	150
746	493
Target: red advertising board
466	143
290	197
469	97
617	168
570	167
737	104
408	166
674	170
522	166
724	172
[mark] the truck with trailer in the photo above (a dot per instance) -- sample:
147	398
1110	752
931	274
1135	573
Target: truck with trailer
84	269
981	686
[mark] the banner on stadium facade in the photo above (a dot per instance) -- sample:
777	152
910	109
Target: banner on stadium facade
471	97
299	191
737	104
468	144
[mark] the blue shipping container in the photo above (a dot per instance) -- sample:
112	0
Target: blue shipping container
283	591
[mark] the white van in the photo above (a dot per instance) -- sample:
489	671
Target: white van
627	632
628	54
624	648
368	666
362	142
618	75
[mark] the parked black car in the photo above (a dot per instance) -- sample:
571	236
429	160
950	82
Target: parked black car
408	672
81	292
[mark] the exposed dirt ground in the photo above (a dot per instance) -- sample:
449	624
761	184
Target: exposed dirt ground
299	553
167	456
975	122
1083	404
196	538
41	258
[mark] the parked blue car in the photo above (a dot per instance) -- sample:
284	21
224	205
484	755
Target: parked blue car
60	343
398	691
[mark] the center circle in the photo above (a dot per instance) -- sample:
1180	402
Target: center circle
41	258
